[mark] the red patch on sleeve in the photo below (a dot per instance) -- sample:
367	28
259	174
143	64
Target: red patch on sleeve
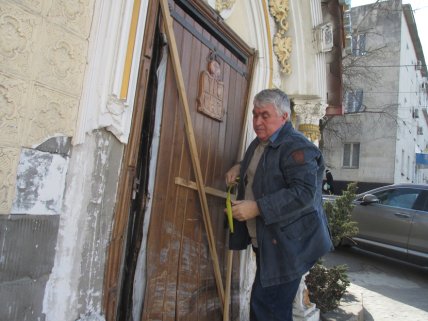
298	156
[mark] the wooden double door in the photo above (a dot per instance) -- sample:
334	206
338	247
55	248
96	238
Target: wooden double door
217	66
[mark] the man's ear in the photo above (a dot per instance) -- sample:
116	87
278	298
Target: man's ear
285	116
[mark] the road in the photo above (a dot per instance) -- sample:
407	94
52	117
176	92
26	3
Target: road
391	290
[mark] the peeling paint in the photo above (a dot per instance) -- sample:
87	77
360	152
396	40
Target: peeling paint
91	317
74	289
40	183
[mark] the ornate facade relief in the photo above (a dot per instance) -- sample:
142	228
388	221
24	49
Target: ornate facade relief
282	44
53	113
43	47
61	60
12	99
75	15
308	113
41	74
17	32
223	7
37	6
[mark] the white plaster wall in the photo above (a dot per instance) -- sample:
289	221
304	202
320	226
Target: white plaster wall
308	76
409	100
75	285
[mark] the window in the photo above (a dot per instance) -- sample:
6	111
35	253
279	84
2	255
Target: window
359	45
400	197
351	155
353	101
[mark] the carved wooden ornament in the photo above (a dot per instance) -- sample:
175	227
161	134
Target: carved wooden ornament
211	92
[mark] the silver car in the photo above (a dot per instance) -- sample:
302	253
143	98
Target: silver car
393	220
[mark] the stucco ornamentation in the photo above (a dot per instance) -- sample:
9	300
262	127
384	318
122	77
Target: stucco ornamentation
73	14
308	114
62	60
9	158
311	131
221	5
12	94
17	29
282	49
309	111
282	44
53	114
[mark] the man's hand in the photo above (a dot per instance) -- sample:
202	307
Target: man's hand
244	210
232	174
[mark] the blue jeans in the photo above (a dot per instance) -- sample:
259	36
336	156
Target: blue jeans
272	303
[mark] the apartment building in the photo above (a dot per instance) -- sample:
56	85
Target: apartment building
382	136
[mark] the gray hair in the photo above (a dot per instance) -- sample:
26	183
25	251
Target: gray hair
276	97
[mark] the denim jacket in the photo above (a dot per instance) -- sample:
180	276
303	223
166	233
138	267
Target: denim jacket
292	228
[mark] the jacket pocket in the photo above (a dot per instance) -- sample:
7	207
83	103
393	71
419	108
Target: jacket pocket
301	227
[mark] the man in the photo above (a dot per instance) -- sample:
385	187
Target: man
279	207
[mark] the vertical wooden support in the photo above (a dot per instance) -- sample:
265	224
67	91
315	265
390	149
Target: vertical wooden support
228	282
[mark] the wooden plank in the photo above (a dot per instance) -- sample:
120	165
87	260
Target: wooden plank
192	145
209	190
229	260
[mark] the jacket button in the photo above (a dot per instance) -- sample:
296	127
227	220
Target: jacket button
274	241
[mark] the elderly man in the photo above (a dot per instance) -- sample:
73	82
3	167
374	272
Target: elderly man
279	208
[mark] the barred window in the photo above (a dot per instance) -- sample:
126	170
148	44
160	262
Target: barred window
353	101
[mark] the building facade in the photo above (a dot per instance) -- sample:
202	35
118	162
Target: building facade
377	140
111	185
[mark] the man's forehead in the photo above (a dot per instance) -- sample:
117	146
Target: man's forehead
258	109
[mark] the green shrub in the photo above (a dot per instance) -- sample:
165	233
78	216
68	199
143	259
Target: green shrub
338	214
327	286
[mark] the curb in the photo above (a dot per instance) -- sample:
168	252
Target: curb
350	308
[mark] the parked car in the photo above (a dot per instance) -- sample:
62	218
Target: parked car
393	221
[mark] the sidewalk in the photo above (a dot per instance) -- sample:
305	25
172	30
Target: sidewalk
350	308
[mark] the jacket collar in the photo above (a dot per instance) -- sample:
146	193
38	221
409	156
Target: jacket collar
278	137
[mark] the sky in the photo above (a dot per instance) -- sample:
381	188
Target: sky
420	11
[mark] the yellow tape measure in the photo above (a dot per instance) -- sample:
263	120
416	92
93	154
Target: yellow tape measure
229	208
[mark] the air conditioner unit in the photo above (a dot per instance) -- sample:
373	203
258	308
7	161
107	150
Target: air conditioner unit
324	37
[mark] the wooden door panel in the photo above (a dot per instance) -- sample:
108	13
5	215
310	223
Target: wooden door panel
180	277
